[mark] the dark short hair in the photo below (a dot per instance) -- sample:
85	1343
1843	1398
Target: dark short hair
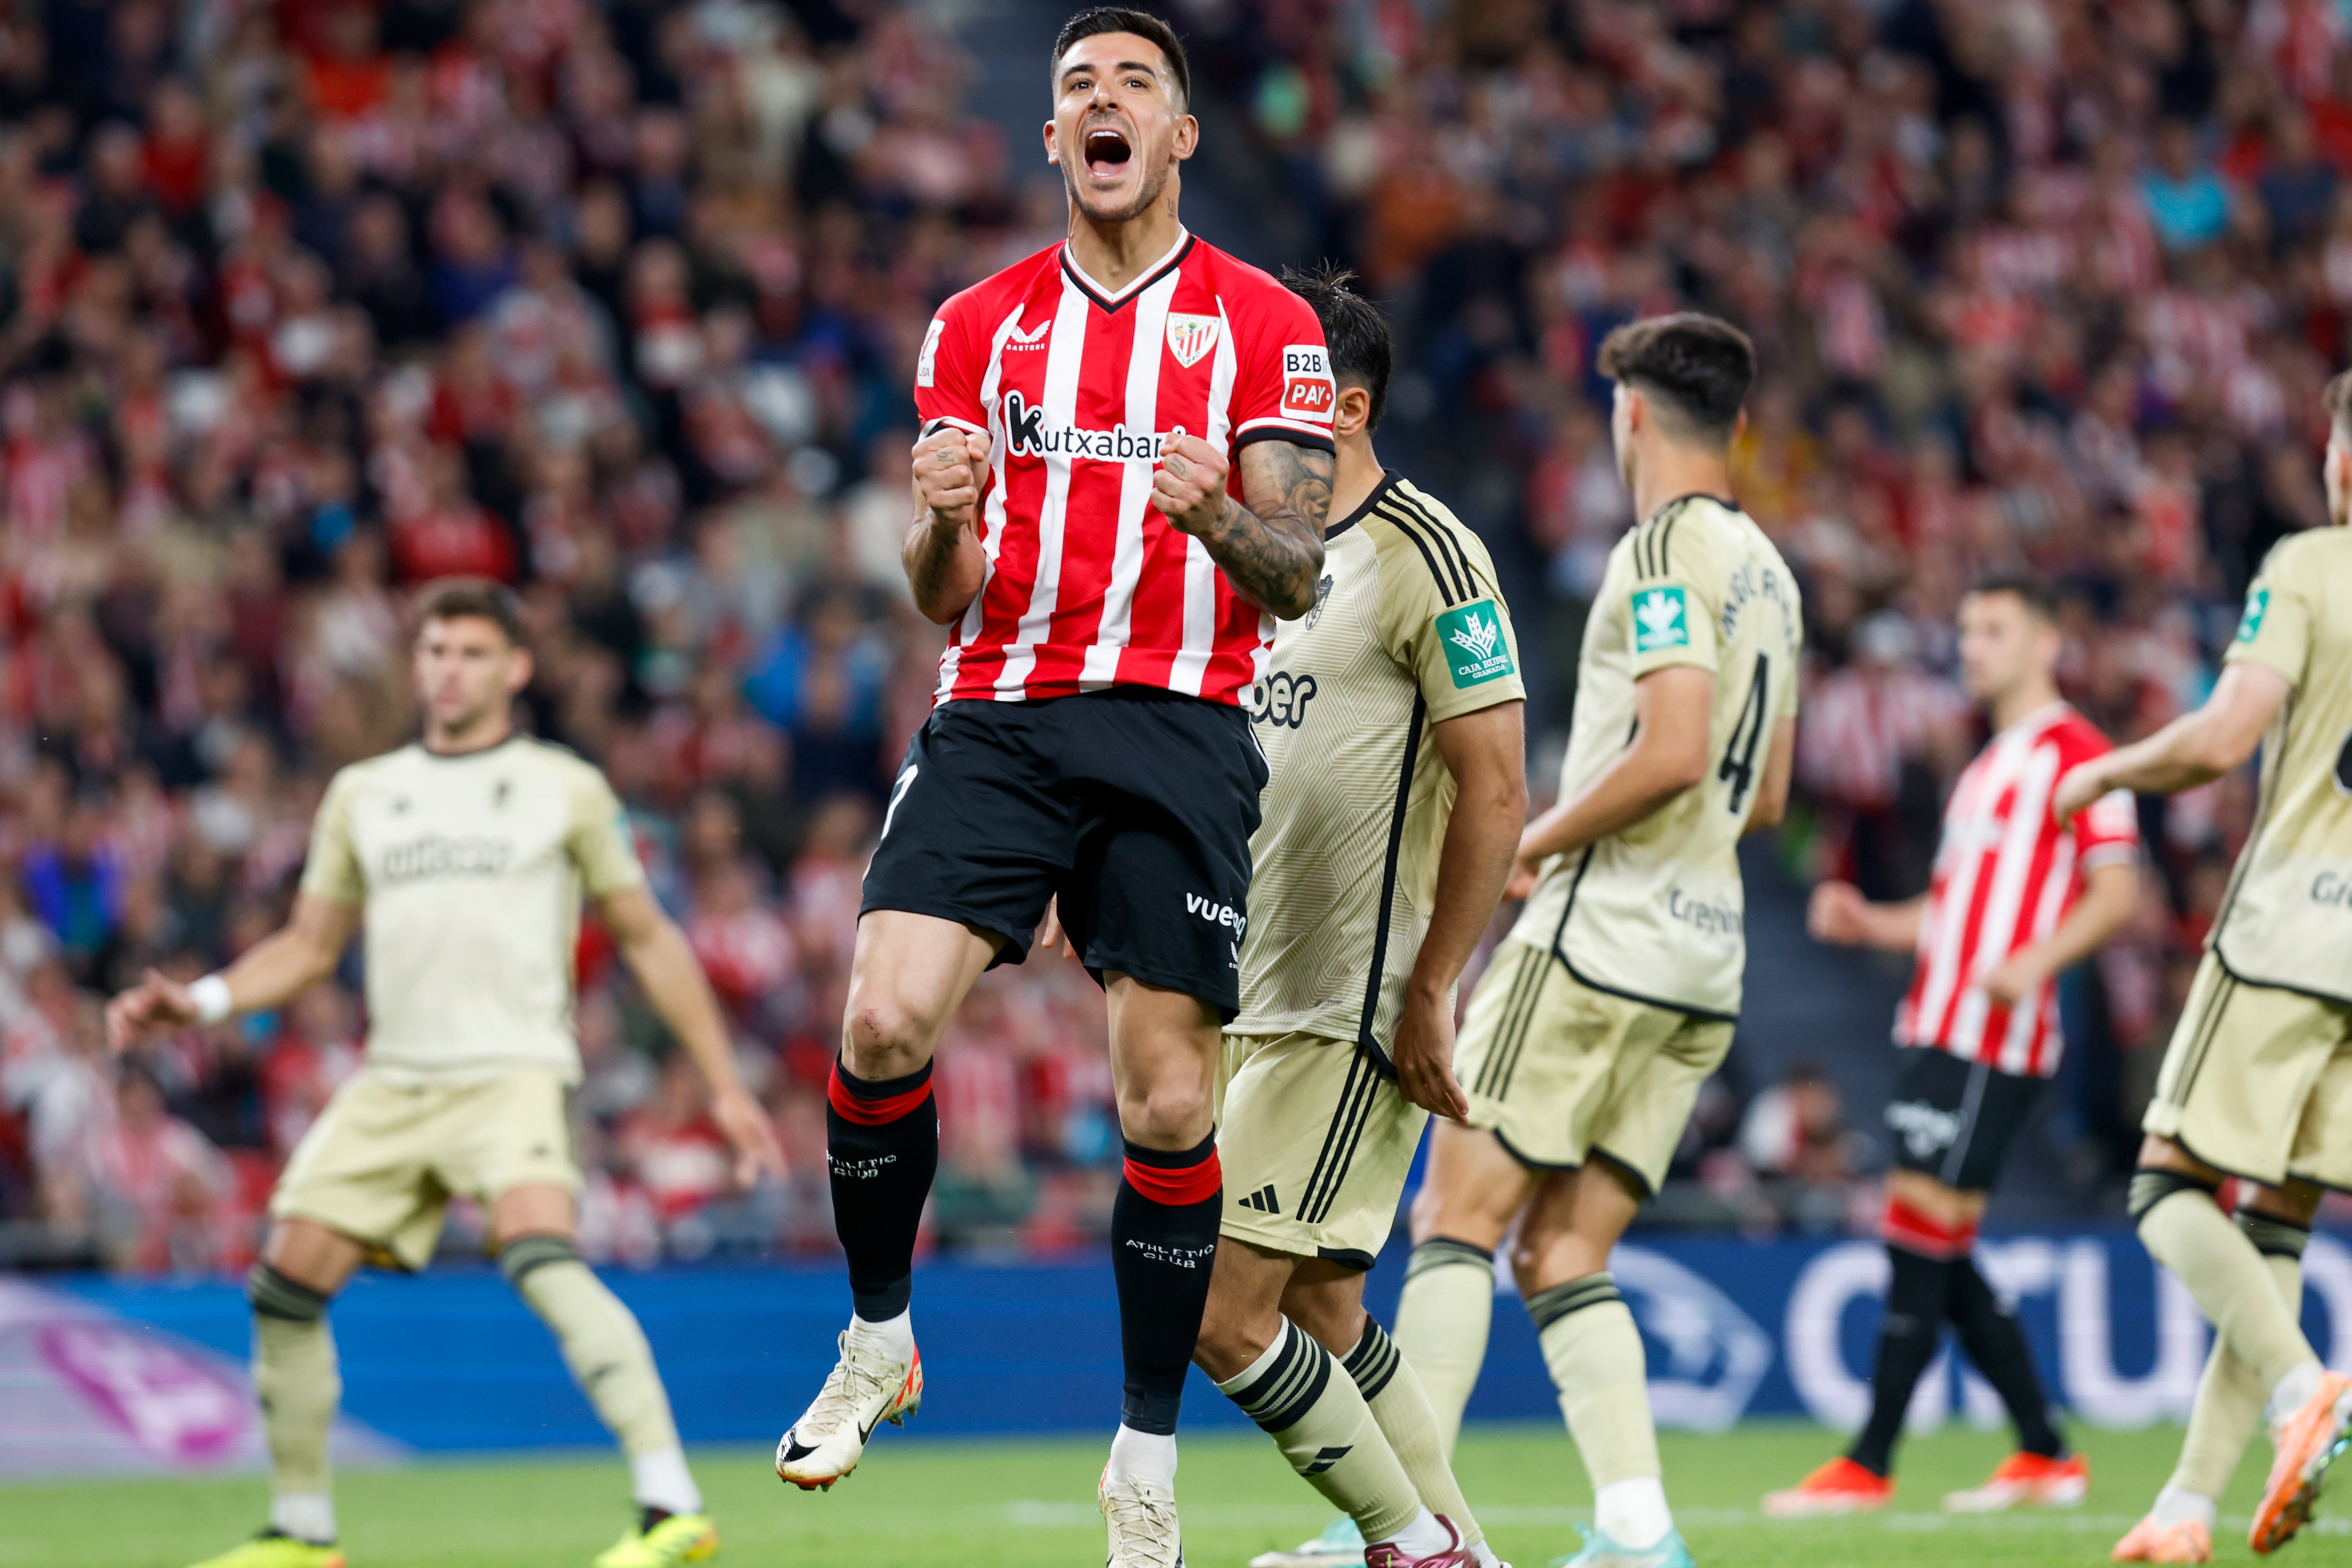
1352	327
2034	592
1699	367
1099	19
453	599
2337	399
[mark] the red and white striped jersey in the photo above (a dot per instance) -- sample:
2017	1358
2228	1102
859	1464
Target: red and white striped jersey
1079	389
2006	874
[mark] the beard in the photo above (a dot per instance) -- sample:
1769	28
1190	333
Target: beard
1148	192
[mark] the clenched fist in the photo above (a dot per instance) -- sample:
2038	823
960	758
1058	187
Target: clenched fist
950	464
157	1002
1190	484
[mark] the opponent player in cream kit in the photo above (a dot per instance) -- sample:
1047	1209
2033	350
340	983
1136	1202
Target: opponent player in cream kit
465	857
1613	998
1391	715
2257	1082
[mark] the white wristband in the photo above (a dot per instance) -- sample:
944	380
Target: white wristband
211	998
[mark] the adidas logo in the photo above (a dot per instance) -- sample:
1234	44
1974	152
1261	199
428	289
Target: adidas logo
1263	1201
1325	1458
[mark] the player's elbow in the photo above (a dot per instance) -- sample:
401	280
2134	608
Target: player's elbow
2217	748
1682	765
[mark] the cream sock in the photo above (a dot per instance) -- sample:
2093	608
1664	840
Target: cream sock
2228	1406
601	1340
1442	1323
2185	1232
1594	1352
1401	1407
296	1376
1319	1419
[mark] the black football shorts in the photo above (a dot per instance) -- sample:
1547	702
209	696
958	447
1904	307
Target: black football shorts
1134	806
1955	1120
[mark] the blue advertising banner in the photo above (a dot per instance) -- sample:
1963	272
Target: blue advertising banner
1733	1329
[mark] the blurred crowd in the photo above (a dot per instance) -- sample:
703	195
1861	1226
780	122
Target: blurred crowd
303	304
2034	284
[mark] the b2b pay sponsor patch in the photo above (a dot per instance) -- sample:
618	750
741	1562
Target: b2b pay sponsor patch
1308	391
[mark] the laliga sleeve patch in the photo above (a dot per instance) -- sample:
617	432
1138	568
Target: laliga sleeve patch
927	362
1476	651
1307	391
1661	619
2258	604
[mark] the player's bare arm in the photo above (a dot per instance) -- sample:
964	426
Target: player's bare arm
1486	753
656	954
945	563
1780	768
2110	894
1272	547
1672	709
269	974
2194	749
1839	914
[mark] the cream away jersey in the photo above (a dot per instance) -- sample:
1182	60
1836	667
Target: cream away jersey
1655	912
1408	631
2288	918
470	870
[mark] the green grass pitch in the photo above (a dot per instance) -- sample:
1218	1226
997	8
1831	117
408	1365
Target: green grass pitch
918	1504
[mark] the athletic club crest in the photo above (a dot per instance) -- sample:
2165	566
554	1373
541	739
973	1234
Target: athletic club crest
1190	337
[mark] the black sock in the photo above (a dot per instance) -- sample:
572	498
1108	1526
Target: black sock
1163	1240
882	1145
1990	1333
1916	1298
649	1516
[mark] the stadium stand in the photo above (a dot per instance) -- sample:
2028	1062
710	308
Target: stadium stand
301	307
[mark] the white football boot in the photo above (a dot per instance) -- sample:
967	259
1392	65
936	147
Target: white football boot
1141	1515
868	1386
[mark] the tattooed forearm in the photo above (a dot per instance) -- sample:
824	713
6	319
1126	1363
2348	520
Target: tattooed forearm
945	564
1271	549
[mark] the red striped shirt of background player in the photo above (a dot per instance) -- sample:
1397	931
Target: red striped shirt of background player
1078	388
2006	874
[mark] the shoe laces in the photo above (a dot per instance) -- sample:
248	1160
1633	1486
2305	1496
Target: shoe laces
1143	1524
863	1372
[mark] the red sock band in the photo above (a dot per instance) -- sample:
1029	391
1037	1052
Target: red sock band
872	1112
1906	1227
1179	1186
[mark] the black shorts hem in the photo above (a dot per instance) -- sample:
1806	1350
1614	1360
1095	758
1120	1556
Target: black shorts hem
1016	945
1228	1004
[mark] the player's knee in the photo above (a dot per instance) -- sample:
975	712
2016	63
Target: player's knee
282	1297
1235	1331
2151	1187
883	1038
1170	1114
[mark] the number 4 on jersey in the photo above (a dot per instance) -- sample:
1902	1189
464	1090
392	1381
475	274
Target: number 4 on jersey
1738	764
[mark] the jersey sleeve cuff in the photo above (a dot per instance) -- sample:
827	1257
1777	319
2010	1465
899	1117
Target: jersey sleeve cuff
1490	694
1306	436
939	422
2240	653
1695	657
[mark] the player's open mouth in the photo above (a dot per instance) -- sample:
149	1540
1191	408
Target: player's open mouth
1107	148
